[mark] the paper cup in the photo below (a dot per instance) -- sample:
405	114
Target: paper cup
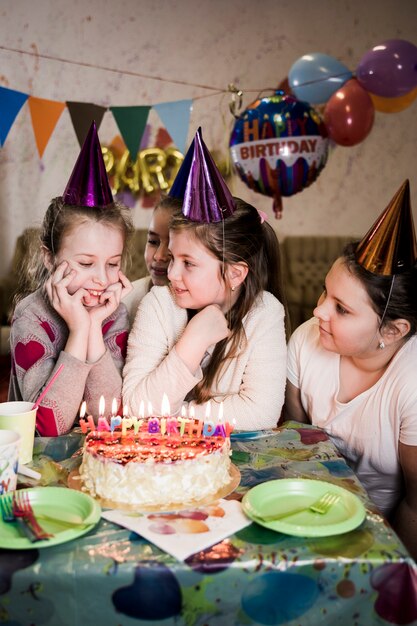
9	460
21	417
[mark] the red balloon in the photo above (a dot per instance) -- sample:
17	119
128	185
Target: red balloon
285	87
349	114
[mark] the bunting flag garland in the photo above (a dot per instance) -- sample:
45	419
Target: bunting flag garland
82	115
10	104
131	122
176	118
45	115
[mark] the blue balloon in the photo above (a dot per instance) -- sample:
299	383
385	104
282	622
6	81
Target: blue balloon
315	77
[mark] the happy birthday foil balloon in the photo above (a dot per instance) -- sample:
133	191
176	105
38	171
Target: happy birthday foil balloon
88	184
389	247
279	146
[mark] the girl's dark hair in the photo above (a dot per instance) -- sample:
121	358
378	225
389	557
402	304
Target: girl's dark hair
402	302
167	202
60	219
242	237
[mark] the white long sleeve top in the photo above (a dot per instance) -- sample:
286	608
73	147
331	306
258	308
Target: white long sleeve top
251	385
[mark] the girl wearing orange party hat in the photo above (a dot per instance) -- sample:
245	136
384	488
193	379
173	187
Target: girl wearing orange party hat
352	368
217	332
74	317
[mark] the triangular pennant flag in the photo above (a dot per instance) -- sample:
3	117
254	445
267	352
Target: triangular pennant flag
45	115
10	104
131	122
176	118
82	115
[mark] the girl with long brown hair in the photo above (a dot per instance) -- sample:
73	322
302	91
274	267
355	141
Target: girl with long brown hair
217	333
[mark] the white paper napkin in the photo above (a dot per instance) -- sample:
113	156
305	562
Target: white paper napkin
185	532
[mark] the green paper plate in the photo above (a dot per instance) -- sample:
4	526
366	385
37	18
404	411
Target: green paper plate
278	496
57	502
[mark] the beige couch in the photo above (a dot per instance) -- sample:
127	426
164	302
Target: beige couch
305	263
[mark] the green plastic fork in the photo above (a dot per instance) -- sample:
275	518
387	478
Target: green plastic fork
321	506
9	518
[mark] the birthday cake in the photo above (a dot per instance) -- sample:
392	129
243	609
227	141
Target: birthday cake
153	469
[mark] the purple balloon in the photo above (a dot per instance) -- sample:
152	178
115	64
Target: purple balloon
389	69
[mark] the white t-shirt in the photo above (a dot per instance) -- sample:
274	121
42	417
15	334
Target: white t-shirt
141	286
251	385
367	429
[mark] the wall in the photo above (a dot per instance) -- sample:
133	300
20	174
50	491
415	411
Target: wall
202	43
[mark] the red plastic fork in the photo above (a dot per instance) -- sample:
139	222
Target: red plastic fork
23	508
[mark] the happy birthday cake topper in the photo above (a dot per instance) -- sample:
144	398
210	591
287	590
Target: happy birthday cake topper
88	184
206	197
389	247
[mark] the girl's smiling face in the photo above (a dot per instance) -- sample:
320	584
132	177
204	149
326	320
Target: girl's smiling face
195	273
94	251
348	323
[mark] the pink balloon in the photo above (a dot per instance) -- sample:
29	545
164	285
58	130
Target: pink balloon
349	114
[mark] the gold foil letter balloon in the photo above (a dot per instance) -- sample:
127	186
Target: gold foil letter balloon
153	169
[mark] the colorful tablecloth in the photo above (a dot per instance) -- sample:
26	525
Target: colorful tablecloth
255	577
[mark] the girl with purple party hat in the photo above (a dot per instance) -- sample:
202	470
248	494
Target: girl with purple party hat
217	332
74	316
352	368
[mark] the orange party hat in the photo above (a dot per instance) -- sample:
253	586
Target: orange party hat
389	247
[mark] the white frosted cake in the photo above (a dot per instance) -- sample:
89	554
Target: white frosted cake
150	469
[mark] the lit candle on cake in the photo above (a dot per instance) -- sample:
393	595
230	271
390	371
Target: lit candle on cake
191	413
115	419
183	420
102	421
220	430
90	421
191	420
165	408
153	422
163	420
141	416
83	423
230	427
208	428
172	422
127	422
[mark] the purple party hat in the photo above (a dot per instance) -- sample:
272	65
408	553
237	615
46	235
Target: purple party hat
180	183
206	197
390	247
88	184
